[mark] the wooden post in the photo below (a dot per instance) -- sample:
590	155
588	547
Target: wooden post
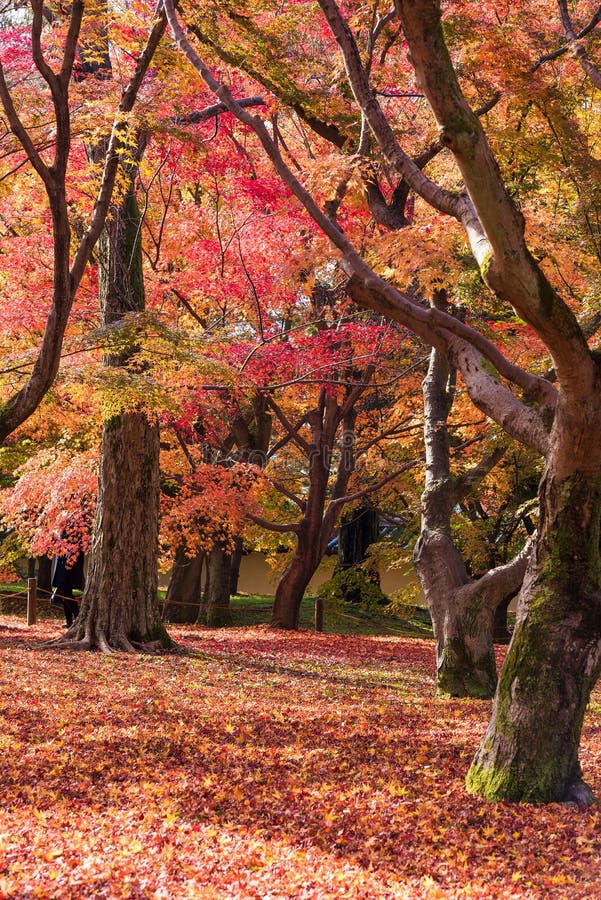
319	614
32	600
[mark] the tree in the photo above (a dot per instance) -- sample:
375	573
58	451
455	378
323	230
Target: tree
330	432
462	609
67	269
530	751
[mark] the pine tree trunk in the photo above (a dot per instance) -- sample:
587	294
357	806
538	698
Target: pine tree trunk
530	749
218	613
183	594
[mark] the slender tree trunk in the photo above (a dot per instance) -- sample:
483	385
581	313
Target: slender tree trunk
183	594
502	635
291	589
218	613
236	562
530	749
462	611
201	618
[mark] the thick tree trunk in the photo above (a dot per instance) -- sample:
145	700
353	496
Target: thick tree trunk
462	622
45	574
462	616
358	531
217	600
183	594
530	749
119	606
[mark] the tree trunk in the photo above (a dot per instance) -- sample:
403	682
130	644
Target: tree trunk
218	613
119	606
462	624
236	562
183	594
465	663
291	588
45	574
501	632
530	749
357	532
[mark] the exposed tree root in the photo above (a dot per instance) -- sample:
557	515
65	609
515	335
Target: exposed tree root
73	639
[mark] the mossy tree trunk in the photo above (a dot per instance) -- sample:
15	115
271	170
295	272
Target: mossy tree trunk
530	749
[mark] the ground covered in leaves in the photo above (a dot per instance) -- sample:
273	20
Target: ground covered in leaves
263	765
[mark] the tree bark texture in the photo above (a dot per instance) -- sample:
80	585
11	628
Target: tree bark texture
462	611
217	610
293	584
530	749
120	604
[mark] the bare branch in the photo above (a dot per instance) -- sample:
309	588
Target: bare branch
555	54
577	49
466	482
291	429
282	489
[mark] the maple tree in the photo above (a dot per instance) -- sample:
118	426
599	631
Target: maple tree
335	426
48	46
462	608
531	748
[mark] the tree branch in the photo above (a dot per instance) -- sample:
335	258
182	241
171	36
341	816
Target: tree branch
496	584
292	528
466	482
576	47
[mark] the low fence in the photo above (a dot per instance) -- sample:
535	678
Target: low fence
33	597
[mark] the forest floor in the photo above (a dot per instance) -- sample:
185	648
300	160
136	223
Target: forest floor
259	764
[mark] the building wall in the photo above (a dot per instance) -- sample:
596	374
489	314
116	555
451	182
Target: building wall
256	577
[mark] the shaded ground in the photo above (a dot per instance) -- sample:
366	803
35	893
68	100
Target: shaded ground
263	765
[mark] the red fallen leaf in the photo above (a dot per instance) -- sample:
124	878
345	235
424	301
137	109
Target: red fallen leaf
345	784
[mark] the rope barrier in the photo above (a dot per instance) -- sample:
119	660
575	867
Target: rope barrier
251	609
22	594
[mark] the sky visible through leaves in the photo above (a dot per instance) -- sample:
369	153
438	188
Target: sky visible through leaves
257	764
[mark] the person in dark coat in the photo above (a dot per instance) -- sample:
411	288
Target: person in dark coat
67	578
